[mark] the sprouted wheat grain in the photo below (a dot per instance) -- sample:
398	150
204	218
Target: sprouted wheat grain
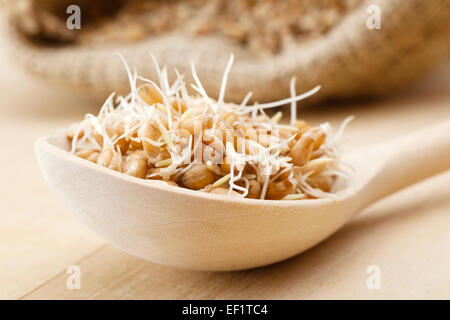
260	26
192	141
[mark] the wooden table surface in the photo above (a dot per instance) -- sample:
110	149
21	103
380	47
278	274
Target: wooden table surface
406	235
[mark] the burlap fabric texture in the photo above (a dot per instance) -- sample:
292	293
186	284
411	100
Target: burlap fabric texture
348	61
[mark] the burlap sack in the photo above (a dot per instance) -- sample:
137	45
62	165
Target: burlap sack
348	61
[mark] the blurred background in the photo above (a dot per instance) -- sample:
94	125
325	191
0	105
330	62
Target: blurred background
353	48
391	71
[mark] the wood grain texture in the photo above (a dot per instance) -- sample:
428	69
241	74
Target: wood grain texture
407	235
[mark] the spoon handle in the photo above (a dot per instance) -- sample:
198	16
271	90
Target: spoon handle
409	159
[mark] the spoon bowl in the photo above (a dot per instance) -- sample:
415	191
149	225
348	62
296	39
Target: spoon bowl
195	230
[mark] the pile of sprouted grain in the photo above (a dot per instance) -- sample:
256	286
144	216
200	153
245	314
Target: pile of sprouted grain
261	26
159	131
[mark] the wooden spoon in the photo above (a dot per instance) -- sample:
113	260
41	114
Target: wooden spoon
195	230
